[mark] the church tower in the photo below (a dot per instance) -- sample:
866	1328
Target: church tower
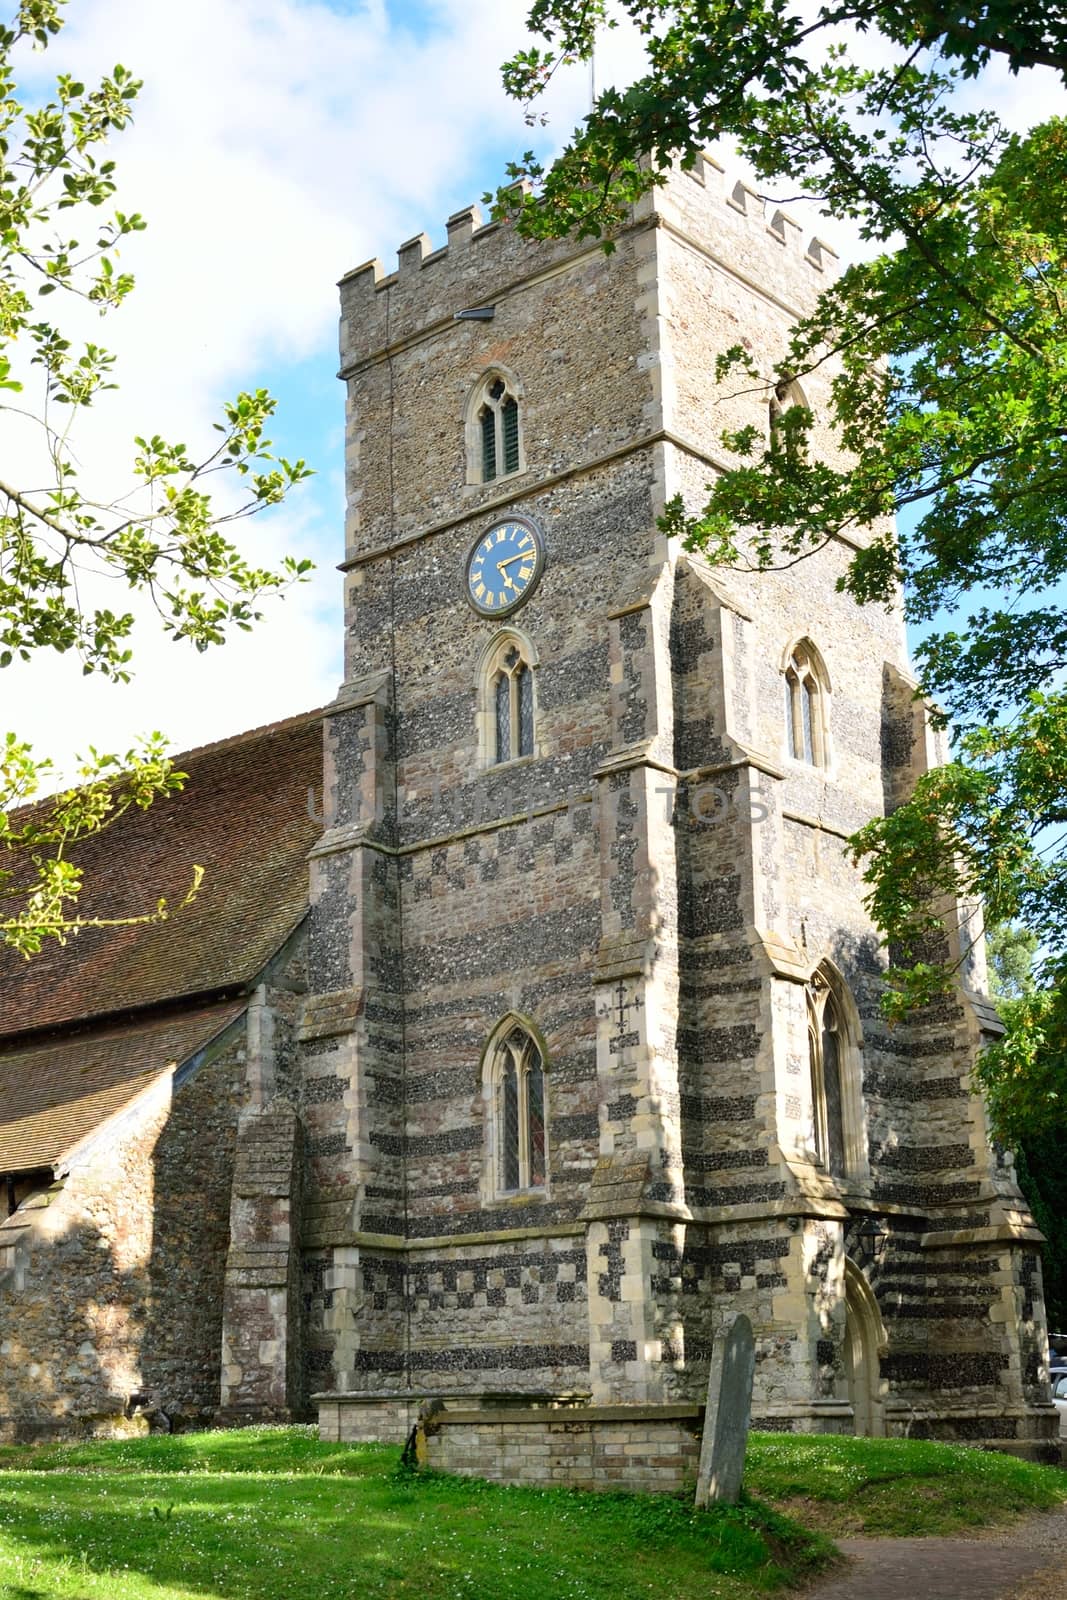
593	1057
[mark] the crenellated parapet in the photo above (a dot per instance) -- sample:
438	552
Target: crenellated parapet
482	261
747	202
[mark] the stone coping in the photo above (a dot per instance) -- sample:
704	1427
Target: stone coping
566	1416
506	1409
499	1399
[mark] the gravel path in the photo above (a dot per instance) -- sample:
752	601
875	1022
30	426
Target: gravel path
1027	1561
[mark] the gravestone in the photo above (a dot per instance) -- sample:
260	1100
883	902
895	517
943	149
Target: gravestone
722	1449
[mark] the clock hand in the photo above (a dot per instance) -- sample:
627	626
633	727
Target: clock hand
522	556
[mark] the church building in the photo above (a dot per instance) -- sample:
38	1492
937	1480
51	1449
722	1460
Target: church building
547	1037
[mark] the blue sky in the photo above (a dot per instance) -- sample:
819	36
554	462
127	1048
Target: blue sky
277	144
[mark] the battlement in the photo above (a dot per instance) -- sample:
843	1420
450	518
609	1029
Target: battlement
747	202
481	260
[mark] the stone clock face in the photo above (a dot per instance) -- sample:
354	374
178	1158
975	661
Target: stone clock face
504	566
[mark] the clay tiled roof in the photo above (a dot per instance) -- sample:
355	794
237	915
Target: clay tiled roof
54	1093
243	816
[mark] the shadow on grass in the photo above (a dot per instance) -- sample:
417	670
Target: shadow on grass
94	1527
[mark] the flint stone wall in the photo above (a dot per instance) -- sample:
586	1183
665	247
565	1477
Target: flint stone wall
111	1295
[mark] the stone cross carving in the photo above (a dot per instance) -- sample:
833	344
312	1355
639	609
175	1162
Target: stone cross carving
618	1009
722	1449
622	1006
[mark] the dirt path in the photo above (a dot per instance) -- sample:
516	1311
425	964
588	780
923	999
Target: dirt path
1027	1561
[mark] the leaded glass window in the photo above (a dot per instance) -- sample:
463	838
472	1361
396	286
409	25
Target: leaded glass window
535	1116
503	716
827	1053
805	708
520	1115
831	1088
524	678
510	1131
512	706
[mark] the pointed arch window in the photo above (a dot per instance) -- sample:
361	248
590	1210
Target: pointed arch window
785	435
807	731
507	697
494	435
837	1105
519	1156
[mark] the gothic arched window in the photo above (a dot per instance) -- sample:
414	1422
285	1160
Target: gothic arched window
837	1106
807	731
788	435
494	434
507	699
515	1083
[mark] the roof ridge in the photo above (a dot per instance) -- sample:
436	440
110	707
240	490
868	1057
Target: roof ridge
300	719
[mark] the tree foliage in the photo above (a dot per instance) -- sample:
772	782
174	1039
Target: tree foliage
162	532
40	885
1012	951
948	350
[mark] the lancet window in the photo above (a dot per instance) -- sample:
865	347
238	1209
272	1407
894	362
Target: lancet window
806	706
517	1087
507	700
836	1093
824	1052
495	440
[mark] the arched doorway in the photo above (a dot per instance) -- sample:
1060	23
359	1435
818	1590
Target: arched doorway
865	1341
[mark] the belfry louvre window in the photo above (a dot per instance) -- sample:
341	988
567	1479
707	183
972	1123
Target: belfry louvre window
806	727
513	708
520	1113
498	425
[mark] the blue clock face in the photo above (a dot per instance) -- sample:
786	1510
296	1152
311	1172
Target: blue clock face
504	566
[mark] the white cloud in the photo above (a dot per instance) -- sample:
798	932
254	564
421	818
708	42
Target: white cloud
275	145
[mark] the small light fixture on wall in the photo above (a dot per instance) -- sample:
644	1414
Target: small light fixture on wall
871	1240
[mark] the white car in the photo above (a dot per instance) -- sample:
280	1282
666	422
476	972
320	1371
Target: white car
1059	1399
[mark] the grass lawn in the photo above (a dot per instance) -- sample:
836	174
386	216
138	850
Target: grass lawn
895	1486
269	1513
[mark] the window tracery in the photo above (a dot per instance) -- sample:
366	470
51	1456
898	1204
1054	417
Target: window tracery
518	1156
807	733
507	699
834	1062
494	433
